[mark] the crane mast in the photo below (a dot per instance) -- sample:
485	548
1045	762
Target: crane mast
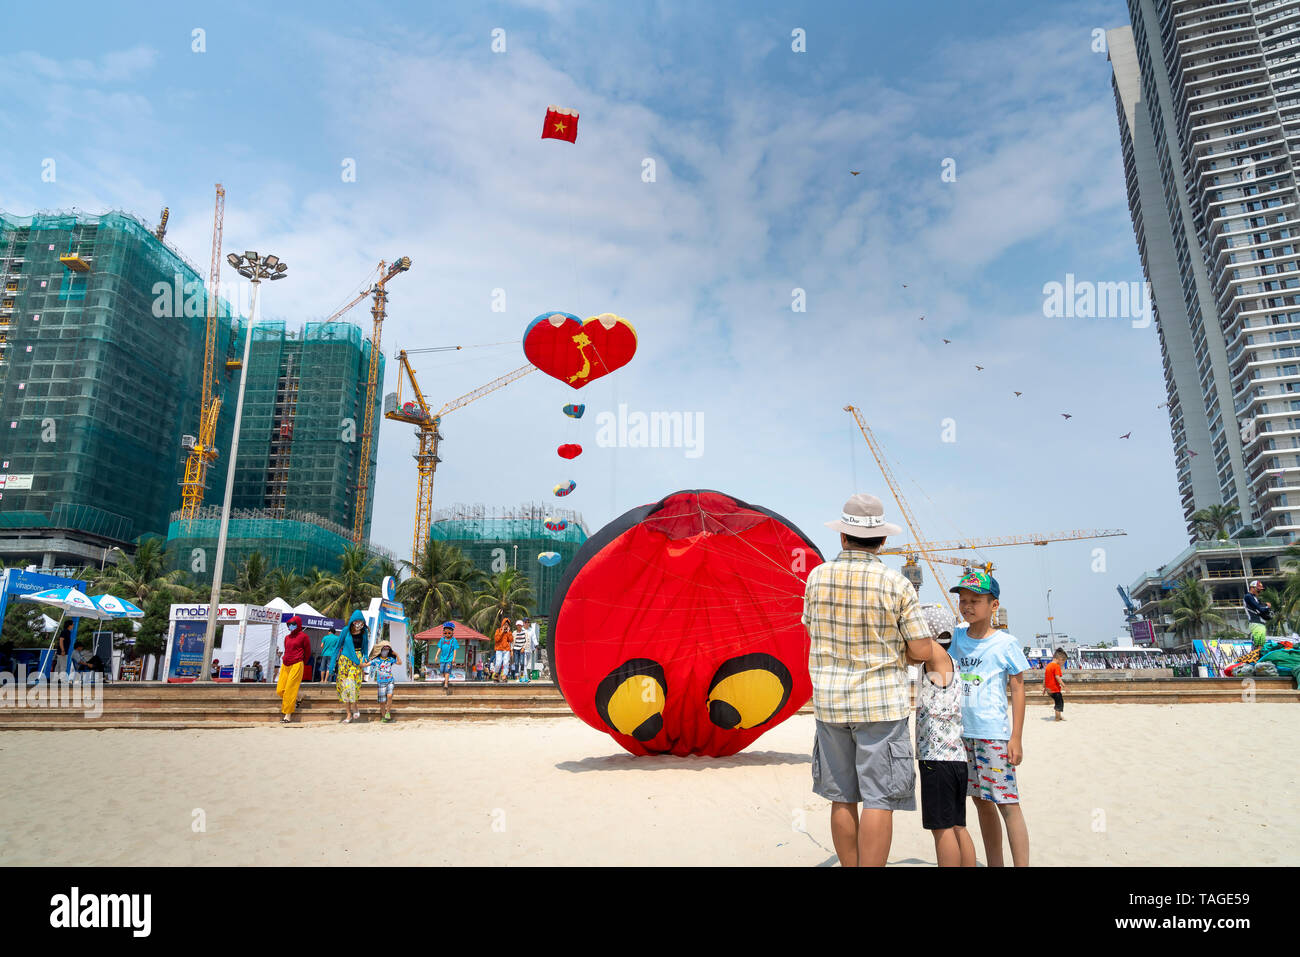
203	452
926	550
377	312
426	458
879	456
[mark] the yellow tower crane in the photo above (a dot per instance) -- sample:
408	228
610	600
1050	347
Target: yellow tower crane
417	413
202	449
926	550
379	291
377	312
879	456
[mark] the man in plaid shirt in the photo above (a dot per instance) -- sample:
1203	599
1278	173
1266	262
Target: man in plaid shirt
865	625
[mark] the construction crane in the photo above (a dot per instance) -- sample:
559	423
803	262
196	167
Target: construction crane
379	291
161	231
879	456
417	412
1030	539
202	451
926	550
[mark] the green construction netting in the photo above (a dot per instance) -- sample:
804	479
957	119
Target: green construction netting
301	437
100	372
497	542
295	543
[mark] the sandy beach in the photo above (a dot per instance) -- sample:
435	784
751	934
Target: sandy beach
1164	785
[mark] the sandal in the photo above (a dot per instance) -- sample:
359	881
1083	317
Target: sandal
285	719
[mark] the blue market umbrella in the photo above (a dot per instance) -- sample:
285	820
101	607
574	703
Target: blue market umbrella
113	607
73	602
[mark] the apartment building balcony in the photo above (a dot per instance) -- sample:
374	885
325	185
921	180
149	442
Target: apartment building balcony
1208	154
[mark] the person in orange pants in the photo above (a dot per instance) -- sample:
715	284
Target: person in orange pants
297	649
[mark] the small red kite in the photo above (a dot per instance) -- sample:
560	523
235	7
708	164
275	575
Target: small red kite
560	125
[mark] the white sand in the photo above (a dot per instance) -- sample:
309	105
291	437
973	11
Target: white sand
1115	784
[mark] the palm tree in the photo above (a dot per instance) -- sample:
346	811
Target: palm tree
507	594
136	577
440	585
286	584
1192	607
1214	521
1282	603
385	567
252	584
351	587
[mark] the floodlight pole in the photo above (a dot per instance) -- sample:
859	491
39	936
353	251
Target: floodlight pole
254	270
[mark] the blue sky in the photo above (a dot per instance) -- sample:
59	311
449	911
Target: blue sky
752	198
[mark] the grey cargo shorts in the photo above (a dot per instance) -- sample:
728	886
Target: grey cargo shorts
870	763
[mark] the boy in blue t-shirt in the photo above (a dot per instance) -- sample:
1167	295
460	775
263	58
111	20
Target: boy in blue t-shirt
989	661
447	647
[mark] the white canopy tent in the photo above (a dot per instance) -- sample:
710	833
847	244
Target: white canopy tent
245	633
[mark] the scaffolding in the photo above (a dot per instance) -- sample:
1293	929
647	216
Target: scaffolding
103	336
288	540
299	443
495	539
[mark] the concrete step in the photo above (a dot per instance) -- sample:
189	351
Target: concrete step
162	706
114	704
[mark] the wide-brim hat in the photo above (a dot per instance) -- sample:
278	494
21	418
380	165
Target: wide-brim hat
864	517
382	644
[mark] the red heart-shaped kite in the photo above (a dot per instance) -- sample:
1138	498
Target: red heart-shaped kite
577	352
569	451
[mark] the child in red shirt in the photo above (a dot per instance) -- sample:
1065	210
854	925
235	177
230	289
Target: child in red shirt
1052	681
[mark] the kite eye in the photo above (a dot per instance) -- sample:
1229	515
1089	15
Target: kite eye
747	691
631	698
557	319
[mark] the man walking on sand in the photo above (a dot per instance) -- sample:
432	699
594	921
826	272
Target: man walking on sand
865	625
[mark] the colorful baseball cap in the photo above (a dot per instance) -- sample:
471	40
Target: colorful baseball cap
981	583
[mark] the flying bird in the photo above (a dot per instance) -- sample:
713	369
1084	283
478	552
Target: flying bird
922	318
854	172
1163	405
1067	415
946	341
904	285
979	368
1017	395
1126	435
1192	454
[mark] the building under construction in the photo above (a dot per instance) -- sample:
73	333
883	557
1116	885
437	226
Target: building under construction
300	448
495	539
101	354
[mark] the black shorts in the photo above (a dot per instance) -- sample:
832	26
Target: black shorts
1060	701
943	794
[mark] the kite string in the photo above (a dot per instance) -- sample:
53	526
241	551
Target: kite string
958	534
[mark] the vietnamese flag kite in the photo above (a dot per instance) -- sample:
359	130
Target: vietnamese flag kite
560	125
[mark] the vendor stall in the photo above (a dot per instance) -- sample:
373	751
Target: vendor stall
245	634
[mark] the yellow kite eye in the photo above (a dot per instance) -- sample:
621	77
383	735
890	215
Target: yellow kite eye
747	691
631	698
